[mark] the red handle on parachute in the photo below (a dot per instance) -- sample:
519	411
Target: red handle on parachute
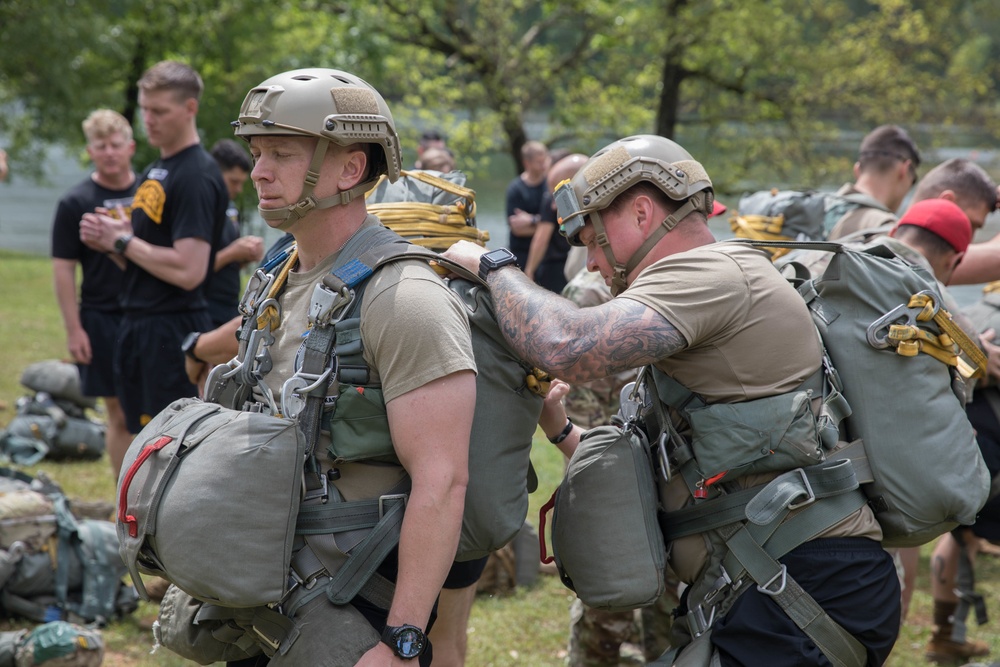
147	451
542	514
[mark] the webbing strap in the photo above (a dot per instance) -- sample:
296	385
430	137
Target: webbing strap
367	556
772	578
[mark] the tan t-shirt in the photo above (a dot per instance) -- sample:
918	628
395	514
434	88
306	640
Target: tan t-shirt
862	217
413	328
749	336
749	333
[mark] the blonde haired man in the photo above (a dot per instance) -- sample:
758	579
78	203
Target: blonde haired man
91	318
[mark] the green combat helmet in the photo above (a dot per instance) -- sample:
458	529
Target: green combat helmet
335	107
616	168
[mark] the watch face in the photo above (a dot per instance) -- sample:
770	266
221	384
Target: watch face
409	642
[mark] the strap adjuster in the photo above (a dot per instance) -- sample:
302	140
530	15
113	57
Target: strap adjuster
382	500
782	576
810	494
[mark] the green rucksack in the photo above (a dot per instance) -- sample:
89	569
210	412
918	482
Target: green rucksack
791	215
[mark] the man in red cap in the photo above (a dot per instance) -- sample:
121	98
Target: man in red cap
939	231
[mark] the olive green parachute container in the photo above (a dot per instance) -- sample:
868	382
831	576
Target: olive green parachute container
912	445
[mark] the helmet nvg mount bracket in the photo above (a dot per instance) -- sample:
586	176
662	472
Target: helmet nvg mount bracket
333	106
616	168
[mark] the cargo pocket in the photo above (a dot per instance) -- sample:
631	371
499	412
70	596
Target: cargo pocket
359	426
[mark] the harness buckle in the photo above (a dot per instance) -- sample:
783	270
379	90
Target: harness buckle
782	576
325	302
697	622
810	494
382	500
322	491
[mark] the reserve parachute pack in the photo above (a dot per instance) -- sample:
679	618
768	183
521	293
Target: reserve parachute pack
792	215
52	422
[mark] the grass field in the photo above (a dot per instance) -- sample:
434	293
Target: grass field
526	629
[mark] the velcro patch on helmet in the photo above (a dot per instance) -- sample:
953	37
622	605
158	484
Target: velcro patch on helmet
355	101
693	170
602	165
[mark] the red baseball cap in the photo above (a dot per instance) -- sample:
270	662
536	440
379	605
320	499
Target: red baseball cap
717	208
940	217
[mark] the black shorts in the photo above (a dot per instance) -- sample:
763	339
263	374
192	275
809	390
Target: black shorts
852	578
987	428
465	573
98	378
149	363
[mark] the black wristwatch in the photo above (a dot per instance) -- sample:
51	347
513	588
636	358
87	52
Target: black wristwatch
406	641
189	343
122	242
494	259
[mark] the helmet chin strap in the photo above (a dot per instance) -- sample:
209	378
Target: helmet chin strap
286	215
619	271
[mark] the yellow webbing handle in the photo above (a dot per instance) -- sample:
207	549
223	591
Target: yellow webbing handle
939	346
270	314
989	288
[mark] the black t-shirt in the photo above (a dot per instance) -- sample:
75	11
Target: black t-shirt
528	198
222	287
102	279
180	197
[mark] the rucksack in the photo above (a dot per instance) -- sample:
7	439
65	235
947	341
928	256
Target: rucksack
431	209
58	379
54	566
884	328
792	215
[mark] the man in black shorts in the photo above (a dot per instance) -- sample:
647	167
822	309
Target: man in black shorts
92	324
177	212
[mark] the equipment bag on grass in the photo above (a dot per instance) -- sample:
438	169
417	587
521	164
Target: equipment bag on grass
60	430
53	644
899	357
208	498
59	379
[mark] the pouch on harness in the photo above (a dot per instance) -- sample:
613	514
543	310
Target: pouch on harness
790	215
883	330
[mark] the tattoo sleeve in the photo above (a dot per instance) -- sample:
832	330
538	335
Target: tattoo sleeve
579	344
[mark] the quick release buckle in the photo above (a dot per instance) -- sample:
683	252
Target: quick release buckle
382	500
325	302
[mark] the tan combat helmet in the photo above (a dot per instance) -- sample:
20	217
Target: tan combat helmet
616	168
334	106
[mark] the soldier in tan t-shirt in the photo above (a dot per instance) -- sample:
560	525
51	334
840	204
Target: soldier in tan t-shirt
720	320
311	170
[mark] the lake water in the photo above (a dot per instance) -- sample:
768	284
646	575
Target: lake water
27	208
